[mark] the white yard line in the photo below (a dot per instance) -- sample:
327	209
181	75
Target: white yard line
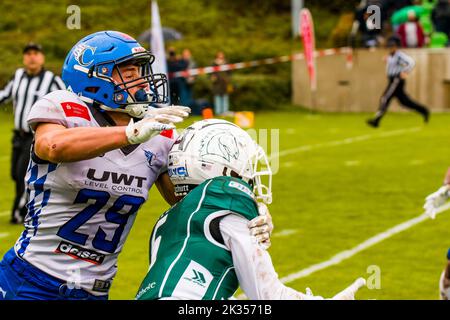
347	254
4	235
345	141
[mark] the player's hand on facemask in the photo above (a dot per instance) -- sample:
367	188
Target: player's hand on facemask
171	114
261	227
145	129
435	200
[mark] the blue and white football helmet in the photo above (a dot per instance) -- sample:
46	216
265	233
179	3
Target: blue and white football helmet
89	66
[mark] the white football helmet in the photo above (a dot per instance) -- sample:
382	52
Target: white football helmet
212	148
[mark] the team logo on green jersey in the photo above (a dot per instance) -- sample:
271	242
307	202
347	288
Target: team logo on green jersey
198	278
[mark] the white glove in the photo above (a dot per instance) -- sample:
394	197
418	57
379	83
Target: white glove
261	227
171	114
349	293
310	296
444	287
435	200
145	129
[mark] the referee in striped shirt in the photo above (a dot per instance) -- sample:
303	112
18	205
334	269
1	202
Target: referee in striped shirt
399	65
26	86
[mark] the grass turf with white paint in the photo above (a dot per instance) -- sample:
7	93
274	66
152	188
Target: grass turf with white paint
358	183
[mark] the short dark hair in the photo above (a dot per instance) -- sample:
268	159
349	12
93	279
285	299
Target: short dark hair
32	46
393	41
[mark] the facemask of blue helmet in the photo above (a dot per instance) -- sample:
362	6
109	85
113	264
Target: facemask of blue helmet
153	87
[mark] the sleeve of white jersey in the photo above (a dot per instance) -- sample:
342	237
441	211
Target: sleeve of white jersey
46	111
253	265
407	62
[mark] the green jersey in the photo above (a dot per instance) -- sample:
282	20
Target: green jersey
188	259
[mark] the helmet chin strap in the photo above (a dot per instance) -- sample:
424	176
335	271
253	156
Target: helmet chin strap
134	110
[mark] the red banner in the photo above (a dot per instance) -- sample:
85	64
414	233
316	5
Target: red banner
309	44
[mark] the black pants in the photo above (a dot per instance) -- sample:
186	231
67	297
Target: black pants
19	163
396	88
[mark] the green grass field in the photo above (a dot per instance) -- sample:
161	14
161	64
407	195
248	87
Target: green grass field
329	196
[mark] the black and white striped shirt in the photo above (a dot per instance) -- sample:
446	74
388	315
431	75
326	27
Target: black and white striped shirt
399	62
25	90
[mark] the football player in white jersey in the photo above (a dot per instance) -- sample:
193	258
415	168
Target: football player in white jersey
99	147
432	204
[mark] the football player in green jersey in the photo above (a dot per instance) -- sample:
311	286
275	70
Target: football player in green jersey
202	247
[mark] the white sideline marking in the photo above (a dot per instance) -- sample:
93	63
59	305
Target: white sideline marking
347	254
344	142
284	233
4	235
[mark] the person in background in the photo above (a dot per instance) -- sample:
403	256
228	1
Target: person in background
28	84
399	65
221	86
411	32
188	98
177	85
